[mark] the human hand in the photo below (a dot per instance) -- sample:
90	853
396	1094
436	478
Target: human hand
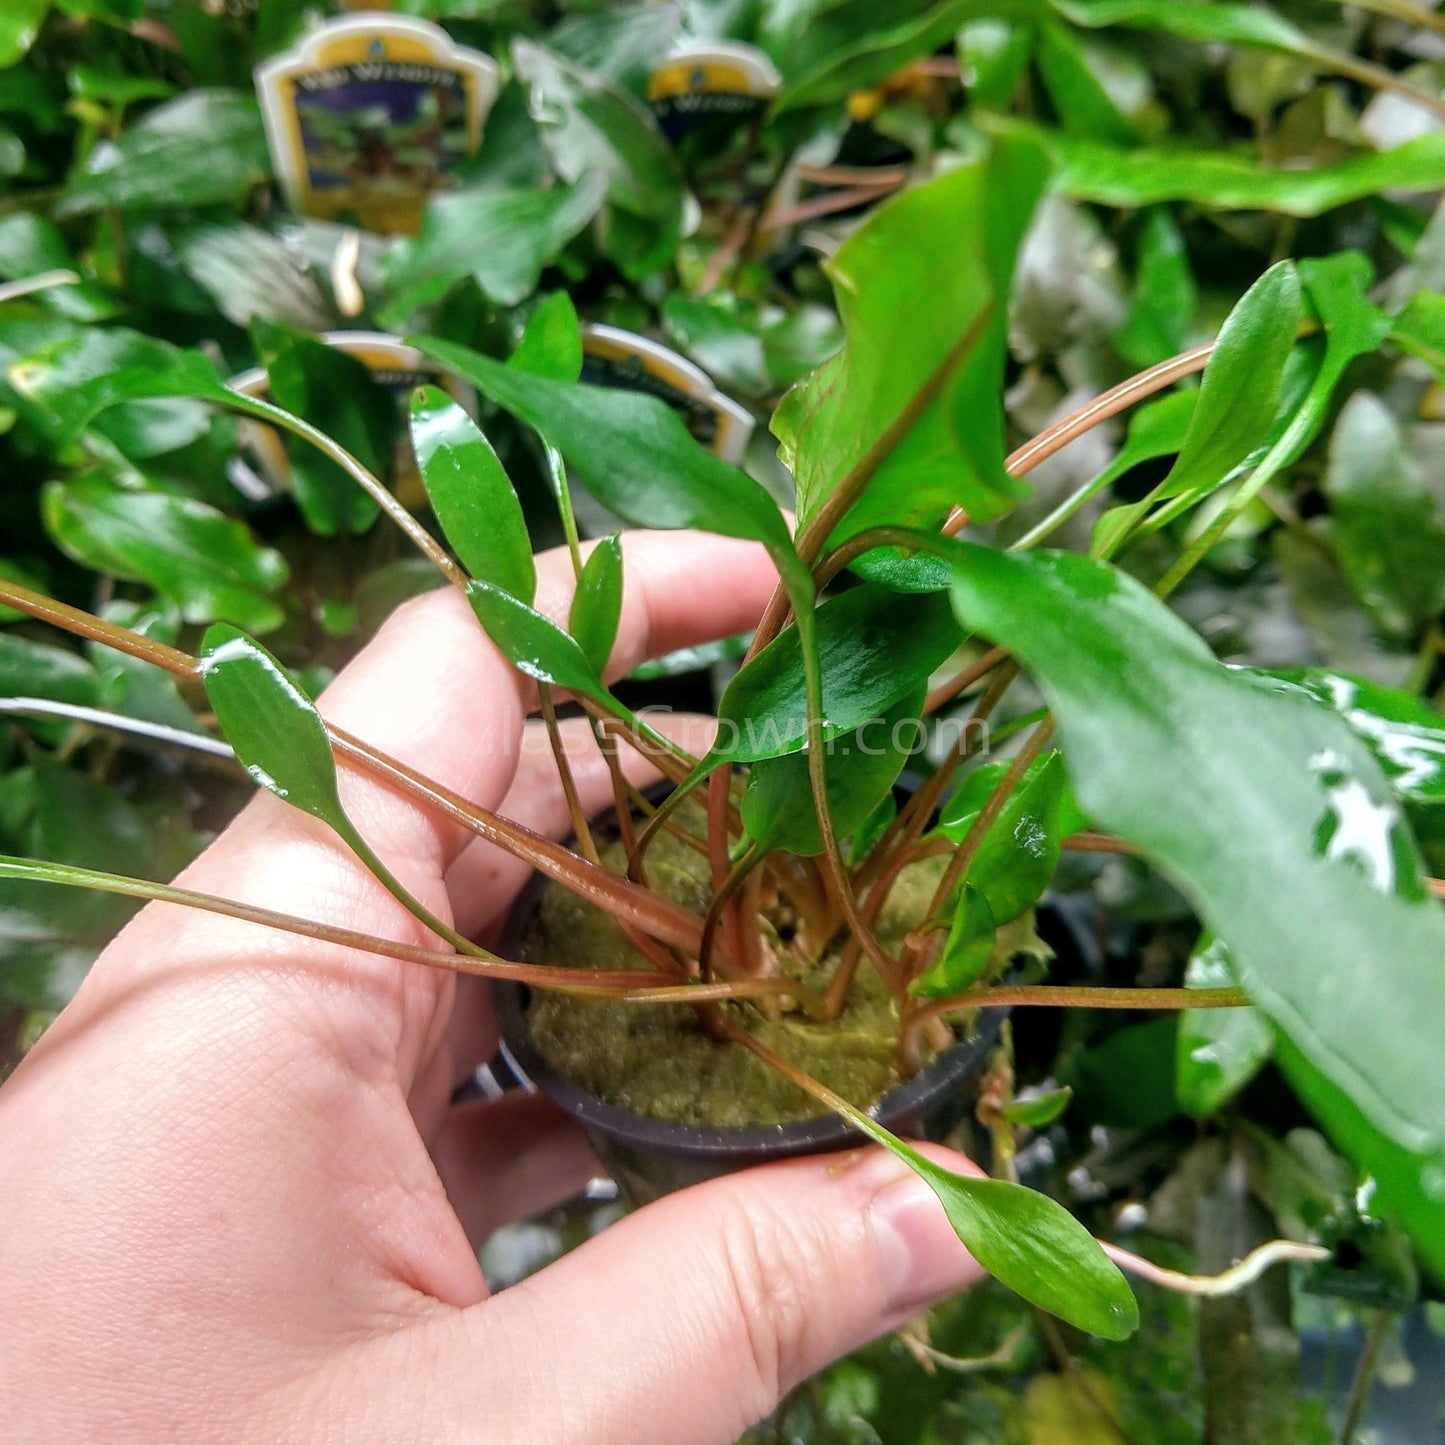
235	1203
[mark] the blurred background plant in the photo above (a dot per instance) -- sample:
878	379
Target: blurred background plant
1194	145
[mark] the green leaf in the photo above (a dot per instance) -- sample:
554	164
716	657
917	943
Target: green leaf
1406	736
1220	1049
1161	315
37	669
875	647
338	394
30	245
1084	106
593	128
206	148
597	603
1386	531
503	239
1020	851
632	451
534	644
1028	1242
967	950
471	494
903	323
551	344
1276	823
1037	1111
862	766
274	727
19	25
877	45
208	564
1089	170
1240	390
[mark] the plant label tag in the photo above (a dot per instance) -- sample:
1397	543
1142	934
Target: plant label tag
261	469
715	86
369	114
622	359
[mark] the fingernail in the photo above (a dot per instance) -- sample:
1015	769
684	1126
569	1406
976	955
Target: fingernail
924	1261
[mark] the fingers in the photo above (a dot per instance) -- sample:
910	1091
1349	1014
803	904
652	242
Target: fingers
689	1320
431	690
484	879
510	1158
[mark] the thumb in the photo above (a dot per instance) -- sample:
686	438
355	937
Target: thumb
687	1322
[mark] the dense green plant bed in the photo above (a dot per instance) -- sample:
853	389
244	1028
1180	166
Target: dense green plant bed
1094	357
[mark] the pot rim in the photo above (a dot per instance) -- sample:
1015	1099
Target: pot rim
711	1141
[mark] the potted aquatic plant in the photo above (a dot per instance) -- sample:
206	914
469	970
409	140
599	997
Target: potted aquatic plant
783	946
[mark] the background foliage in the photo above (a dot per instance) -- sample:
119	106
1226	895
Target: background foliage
1192	145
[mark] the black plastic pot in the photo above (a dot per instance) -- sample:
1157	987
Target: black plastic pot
651	1157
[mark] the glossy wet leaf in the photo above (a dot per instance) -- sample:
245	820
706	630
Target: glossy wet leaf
534	644
208	564
1386	530
1240	389
632	451
1276	823
1406	735
39	669
471	494
875	646
902	324
1028	1242
274	727
19	25
597	604
205	148
1220	1049
861	766
501	238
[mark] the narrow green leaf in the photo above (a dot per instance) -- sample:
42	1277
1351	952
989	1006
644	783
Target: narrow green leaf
1277	824
534	644
1089	170
1028	1242
633	452
1240	390
1037	1111
1220	1049
471	494
274	727
875	647
597	603
1161	316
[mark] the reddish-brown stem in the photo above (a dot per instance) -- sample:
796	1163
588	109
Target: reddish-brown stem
580	829
656	916
964	678
1071	996
919	945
